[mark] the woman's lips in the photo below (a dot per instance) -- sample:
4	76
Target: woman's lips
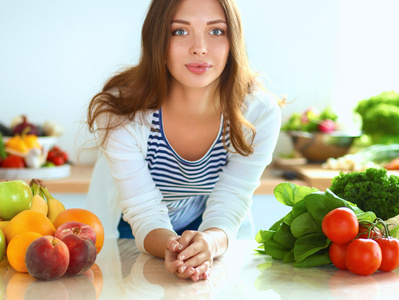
198	67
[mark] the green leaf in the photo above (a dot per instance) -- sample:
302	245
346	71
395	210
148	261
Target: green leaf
321	203
309	244
367	216
284	236
304	224
264	235
289	257
289	193
319	258
3	153
276	250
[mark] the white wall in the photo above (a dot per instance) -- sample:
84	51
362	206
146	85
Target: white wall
55	55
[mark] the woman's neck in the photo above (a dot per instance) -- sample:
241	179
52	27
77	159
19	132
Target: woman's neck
193	102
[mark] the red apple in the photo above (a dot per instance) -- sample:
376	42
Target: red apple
82	253
47	258
327	125
77	228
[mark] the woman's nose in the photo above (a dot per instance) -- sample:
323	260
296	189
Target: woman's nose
199	47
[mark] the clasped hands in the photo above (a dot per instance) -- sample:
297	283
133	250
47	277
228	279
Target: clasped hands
191	254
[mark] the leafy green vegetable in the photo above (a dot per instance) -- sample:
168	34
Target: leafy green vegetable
380	114
3	153
297	237
371	190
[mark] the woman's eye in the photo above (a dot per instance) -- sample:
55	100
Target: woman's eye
179	32
217	31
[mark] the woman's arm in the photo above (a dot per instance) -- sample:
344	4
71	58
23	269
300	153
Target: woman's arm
231	198
140	200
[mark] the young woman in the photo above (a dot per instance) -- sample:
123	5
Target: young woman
186	135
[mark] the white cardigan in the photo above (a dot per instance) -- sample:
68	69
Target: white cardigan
121	181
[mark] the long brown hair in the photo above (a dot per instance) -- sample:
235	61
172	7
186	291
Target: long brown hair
145	86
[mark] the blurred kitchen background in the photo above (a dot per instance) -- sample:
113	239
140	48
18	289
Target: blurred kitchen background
56	54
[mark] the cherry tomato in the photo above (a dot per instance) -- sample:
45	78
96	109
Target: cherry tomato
340	225
363	256
337	254
13	161
58	161
390	253
364	231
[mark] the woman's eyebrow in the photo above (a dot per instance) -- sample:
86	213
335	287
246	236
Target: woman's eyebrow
188	23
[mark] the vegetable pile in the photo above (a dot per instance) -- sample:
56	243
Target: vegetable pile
323	228
371	190
311	120
298	237
375	156
380	114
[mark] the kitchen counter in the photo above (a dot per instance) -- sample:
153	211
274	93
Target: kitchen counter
79	181
122	272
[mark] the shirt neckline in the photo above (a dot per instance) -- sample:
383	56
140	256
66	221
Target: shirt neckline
176	154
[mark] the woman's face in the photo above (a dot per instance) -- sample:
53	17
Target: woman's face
199	45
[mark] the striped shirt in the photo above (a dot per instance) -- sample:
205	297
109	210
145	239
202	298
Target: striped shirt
185	185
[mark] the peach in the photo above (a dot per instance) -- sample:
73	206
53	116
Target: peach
78	228
47	258
82	253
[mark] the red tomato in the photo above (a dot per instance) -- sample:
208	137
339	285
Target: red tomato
363	256
13	161
340	225
337	254
364	233
58	161
390	253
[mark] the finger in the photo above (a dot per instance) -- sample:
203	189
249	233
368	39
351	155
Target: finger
205	275
173	244
187	238
201	271
171	262
197	248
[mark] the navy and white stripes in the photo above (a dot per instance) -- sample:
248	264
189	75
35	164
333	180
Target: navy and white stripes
185	185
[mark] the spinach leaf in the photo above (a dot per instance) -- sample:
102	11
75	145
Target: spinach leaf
319	258
289	193
289	257
321	203
304	224
284	236
276	250
309	244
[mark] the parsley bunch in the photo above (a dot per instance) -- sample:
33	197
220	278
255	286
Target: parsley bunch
371	190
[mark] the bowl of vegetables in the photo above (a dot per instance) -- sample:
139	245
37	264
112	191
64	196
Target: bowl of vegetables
319	146
316	136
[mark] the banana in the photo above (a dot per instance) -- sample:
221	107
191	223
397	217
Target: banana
54	208
38	202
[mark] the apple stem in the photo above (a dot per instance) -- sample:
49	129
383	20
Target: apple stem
76	230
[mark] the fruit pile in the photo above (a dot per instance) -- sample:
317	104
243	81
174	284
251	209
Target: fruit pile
42	238
23	149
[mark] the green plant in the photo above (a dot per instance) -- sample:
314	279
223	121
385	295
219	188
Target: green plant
371	190
380	114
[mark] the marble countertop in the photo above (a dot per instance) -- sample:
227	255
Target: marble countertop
122	272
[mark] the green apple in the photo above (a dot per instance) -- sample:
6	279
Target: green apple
15	196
